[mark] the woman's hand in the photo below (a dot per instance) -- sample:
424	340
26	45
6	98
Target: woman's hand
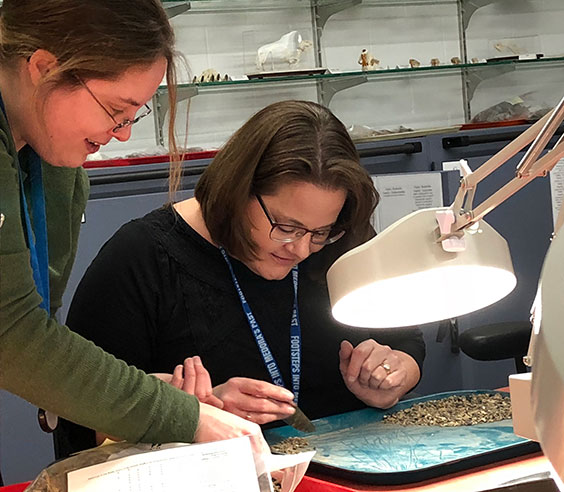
192	378
376	374
255	400
216	425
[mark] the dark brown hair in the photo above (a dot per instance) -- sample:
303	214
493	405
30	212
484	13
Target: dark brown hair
91	39
285	142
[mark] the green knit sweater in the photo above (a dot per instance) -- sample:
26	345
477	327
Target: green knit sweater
43	361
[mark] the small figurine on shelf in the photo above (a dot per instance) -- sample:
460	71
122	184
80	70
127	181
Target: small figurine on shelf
455	60
209	75
413	63
367	61
287	50
435	62
475	60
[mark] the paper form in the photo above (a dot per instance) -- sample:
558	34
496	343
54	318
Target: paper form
556	188
401	194
222	466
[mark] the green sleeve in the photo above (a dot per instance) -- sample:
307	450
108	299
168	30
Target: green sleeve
56	369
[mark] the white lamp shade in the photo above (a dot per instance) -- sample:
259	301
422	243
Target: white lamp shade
403	276
548	359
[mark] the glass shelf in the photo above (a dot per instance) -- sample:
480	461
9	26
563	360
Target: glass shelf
406	3
228	5
373	75
203	6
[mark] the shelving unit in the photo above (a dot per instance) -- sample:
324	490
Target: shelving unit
320	14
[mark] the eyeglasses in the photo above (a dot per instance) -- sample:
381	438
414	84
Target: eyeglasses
127	122
288	233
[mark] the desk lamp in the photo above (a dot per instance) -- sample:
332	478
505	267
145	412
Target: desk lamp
440	263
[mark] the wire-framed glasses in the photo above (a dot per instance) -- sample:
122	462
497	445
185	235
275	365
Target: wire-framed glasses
288	233
125	123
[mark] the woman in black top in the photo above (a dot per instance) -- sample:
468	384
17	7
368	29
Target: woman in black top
286	189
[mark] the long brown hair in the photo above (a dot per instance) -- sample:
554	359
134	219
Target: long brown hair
285	142
91	39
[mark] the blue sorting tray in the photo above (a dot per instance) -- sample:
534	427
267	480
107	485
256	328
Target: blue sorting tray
359	446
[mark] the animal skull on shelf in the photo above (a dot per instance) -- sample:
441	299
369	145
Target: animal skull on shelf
287	50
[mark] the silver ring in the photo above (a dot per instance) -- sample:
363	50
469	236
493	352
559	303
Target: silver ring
386	367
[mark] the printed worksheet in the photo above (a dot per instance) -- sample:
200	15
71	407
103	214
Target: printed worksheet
223	466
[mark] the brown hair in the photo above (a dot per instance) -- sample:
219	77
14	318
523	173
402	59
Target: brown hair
91	39
285	142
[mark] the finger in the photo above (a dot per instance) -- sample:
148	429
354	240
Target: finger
359	355
236	400
262	389
268	406
393	380
213	401
189	385
377	378
203	386
263	418
263	409
367	370
344	356
177	377
345	350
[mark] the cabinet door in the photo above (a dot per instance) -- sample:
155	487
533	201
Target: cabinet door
396	156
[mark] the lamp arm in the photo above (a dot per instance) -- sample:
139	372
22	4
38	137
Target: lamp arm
462	204
529	168
548	130
540	168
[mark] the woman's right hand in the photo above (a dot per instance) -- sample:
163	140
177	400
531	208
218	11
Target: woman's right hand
255	400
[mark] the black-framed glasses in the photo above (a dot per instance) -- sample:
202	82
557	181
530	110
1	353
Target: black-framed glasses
125	123
288	233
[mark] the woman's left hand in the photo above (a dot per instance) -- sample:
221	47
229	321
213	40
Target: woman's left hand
376	374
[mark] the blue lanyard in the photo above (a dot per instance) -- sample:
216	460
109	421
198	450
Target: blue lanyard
295	335
36	236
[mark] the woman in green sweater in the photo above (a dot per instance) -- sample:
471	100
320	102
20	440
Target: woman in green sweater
73	75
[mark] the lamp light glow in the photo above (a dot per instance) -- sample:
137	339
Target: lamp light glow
404	277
